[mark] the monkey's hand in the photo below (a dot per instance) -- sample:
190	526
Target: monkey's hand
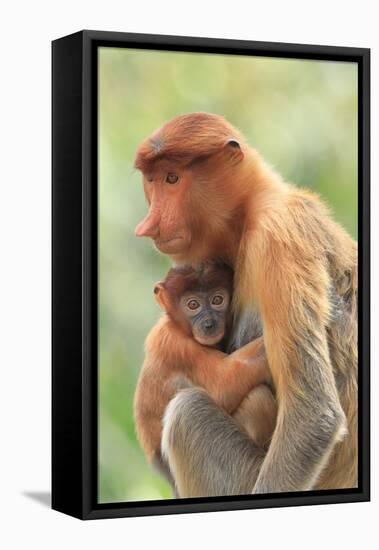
252	359
239	373
229	378
249	354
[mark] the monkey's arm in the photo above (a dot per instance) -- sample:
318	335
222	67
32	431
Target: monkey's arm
229	378
292	290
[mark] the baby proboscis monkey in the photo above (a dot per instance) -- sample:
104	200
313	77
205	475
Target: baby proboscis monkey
197	315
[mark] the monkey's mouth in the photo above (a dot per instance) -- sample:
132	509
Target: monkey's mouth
169	245
211	340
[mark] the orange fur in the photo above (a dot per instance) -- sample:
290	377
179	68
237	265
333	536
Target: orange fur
171	356
287	254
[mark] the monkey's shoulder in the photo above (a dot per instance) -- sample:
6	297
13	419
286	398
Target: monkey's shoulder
168	347
159	334
312	218
297	229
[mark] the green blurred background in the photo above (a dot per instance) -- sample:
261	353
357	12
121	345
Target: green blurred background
301	115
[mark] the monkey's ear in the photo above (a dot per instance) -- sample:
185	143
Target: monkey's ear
159	291
158	287
233	149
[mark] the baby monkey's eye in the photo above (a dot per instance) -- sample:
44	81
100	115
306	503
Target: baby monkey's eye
193	304
172	178
217	300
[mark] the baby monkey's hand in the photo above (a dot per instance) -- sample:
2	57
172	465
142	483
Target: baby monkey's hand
251	354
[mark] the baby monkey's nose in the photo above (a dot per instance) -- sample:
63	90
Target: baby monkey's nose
209	324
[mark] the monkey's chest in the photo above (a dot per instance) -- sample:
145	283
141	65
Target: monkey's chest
246	327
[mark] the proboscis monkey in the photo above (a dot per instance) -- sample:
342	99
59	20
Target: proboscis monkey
212	196
196	305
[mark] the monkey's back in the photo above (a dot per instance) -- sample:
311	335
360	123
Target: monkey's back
312	236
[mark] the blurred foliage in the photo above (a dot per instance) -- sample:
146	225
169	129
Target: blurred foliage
301	115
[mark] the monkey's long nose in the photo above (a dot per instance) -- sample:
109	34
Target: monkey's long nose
148	227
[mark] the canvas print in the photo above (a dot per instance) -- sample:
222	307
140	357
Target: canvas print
227	275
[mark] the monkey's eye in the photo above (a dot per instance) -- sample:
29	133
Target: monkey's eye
217	300
193	304
172	178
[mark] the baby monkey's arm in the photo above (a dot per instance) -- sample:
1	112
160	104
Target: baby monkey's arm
229	378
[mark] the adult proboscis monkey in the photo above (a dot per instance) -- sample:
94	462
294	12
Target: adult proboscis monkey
212	196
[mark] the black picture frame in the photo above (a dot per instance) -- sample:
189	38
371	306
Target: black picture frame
74	272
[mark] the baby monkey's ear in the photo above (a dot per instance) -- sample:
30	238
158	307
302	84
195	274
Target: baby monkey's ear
160	294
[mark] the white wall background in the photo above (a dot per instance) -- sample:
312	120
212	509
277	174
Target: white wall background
27	29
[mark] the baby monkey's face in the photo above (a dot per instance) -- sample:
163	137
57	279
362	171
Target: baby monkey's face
206	313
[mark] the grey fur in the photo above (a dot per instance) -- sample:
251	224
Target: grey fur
246	327
210	455
235	457
316	418
162	467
